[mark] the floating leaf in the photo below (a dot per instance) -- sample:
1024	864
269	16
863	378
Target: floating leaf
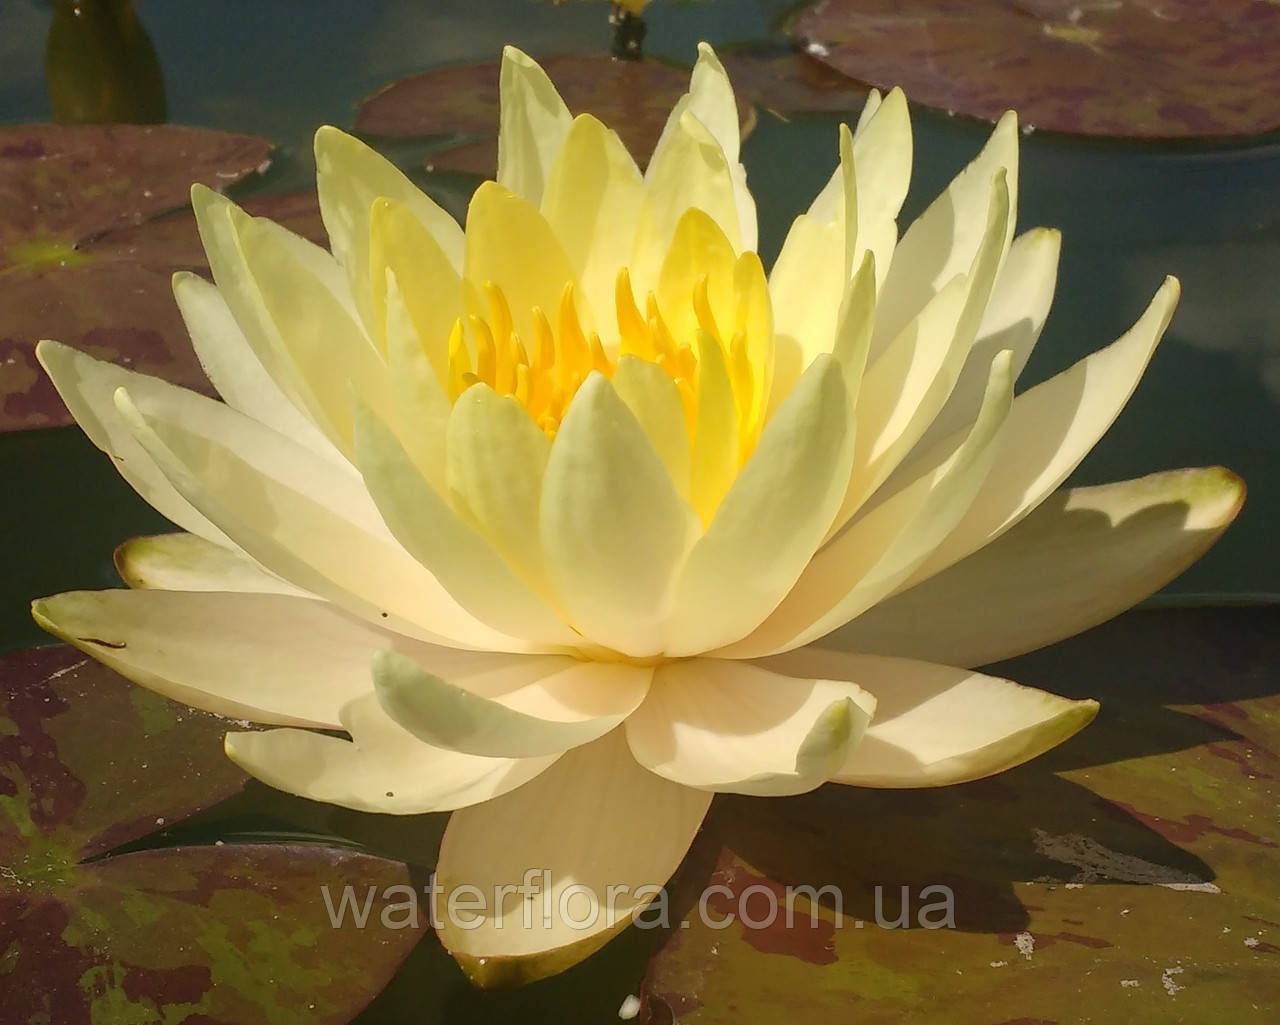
633	96
1128	874
785	82
235	933
1145	68
86	254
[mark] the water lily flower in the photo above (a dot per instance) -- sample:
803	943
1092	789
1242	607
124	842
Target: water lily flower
577	518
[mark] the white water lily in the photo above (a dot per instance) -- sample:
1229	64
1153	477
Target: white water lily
557	517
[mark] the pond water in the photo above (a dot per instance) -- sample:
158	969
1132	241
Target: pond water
1130	213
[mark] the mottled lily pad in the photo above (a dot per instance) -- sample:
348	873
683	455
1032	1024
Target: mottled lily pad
90	233
1127	876
1142	68
633	97
217	933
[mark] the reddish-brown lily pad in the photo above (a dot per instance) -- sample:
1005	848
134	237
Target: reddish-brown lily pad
90	233
1143	68
1127	876
633	97
218	933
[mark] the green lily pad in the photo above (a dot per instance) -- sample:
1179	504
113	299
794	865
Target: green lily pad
632	97
1126	876
1142	68
87	251
217	933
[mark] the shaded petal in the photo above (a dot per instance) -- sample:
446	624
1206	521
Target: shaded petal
429	280
1014	317
1085	555
772	519
688	169
733	727
297	515
614	529
265	657
496	458
936	725
654	400
943	241
324	343
880	549
381	769
711	101
910	382
234	368
349	177
187	562
592	202
1051	429
88	387
607	832
511	707
511	244
532	125
462	559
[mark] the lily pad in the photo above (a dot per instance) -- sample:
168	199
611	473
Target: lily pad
1127	876
633	97
217	933
1142	68
87	251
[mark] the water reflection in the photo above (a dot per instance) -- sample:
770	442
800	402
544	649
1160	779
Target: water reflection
101	66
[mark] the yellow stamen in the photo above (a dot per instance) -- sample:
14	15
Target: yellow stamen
563	354
633	333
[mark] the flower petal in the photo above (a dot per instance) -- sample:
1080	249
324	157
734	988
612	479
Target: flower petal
1051	429
882	157
510	244
654	400
429	279
88	387
532	125
608	835
381	769
810	277
496	458
1085	555
909	384
880	549
265	657
943	241
711	101
772	519
509	706
349	177
733	727
297	515
614	529
234	368
326	346
462	559
187	562
936	725
1015	315
592	202
688	169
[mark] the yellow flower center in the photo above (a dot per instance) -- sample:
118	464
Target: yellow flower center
544	376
